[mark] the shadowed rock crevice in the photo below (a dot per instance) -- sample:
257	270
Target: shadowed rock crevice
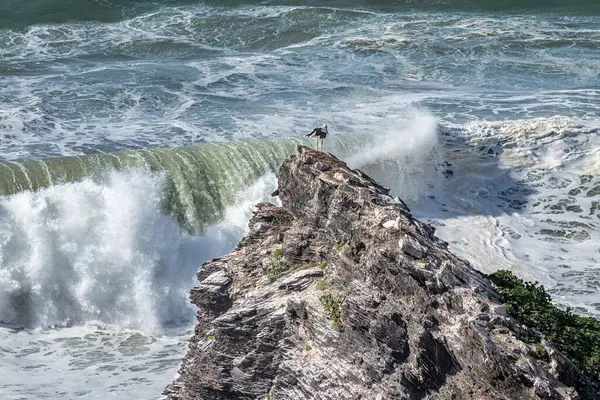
341	294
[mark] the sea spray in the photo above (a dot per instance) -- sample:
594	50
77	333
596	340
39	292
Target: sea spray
200	181
128	323
105	252
105	249
403	155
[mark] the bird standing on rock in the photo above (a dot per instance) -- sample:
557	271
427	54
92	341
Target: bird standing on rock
319	133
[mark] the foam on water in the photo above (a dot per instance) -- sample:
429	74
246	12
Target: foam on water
568	144
92	251
164	77
105	252
100	263
89	362
525	196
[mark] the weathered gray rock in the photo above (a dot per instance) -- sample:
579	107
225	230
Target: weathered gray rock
341	294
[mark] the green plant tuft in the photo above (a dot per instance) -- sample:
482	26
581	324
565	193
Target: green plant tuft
307	265
278	266
539	351
307	347
321	285
210	337
323	265
278	254
423	261
271	396
333	307
341	248
575	336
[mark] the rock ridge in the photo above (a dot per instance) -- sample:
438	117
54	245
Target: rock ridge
341	294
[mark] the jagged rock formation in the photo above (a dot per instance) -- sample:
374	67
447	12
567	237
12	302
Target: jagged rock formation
341	294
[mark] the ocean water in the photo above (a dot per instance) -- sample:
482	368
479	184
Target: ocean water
136	137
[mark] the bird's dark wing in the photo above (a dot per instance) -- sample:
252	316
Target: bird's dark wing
314	132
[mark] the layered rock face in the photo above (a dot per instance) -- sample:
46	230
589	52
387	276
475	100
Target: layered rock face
341	294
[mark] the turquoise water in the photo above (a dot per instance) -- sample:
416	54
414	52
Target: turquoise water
136	137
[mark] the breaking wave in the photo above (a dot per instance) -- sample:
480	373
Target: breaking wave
117	238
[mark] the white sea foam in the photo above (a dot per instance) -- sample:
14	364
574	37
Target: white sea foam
101	258
86	87
93	251
88	362
530	204
568	144
103	251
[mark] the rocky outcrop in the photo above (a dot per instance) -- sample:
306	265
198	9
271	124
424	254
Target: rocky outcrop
341	294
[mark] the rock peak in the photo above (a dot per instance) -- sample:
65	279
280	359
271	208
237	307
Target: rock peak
341	294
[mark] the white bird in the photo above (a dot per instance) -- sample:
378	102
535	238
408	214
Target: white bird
319	133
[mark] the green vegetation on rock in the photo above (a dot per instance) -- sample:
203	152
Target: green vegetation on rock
575	336
278	254
341	248
321	285
540	351
278	266
333	307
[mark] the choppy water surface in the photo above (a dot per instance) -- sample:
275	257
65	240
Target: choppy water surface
483	116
